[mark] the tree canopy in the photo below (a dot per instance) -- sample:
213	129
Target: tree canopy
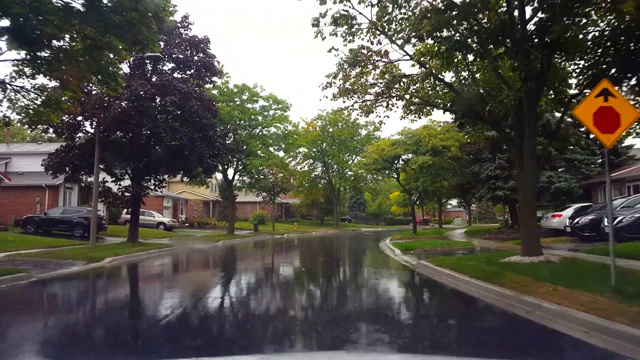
163	124
56	48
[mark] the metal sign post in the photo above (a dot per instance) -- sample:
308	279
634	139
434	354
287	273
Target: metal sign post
607	115
612	253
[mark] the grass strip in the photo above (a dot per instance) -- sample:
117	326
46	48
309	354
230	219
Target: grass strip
120	231
553	240
95	254
629	251
429	244
575	283
480	230
422	234
11	271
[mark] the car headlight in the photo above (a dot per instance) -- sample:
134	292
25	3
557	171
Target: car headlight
628	219
586	219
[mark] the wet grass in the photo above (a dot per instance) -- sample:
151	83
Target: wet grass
120	231
15	241
575	283
629	250
553	240
422	234
11	271
95	254
430	245
480	230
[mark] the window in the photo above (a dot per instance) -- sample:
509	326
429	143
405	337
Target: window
213	187
55	211
633	188
154	214
68	196
70	212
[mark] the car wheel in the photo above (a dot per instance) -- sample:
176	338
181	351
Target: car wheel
126	223
161	226
31	228
78	230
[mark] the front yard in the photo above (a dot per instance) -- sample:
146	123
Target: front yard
477	231
120	231
578	284
15	241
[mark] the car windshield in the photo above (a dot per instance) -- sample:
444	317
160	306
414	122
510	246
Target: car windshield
362	176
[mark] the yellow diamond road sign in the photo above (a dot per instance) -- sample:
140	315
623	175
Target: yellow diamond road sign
606	113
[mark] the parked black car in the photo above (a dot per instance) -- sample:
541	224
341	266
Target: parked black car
346	219
589	225
626	224
74	220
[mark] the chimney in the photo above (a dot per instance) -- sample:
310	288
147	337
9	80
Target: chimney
7	135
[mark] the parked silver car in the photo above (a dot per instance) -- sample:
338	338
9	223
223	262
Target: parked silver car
149	219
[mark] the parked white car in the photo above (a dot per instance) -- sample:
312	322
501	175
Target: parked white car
557	220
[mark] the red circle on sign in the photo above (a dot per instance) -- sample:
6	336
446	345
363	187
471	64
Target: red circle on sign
606	119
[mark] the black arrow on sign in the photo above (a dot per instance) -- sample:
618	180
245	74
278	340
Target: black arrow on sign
606	94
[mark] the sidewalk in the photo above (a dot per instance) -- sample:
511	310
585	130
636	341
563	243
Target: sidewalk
459	235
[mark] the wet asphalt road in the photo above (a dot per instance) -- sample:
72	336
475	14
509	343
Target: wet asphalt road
333	292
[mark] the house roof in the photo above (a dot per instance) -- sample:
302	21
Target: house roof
168	194
205	197
4	177
32	178
631	171
28	148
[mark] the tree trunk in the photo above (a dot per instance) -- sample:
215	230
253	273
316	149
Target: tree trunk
469	216
526	179
134	217
514	218
414	224
422	208
273	216
135	304
229	199
440	206
336	211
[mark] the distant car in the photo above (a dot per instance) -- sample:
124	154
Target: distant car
346	219
74	220
149	219
557	220
423	221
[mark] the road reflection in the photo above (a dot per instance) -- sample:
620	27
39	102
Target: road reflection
337	292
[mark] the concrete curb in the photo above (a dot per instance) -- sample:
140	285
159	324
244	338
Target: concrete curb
14	278
603	333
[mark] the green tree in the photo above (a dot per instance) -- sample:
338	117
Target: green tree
258	127
455	52
19	133
357	203
164	123
70	44
271	179
329	146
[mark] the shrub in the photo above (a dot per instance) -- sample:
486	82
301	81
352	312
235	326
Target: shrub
447	221
260	217
200	222
113	214
392	220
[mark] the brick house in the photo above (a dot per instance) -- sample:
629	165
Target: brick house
25	188
205	201
170	205
624	181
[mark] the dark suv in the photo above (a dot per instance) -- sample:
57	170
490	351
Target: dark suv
74	220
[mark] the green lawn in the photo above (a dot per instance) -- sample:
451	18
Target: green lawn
10	271
480	230
429	244
13	241
426	233
629	250
561	239
95	254
578	284
144	234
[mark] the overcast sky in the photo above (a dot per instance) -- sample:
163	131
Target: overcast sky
270	43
